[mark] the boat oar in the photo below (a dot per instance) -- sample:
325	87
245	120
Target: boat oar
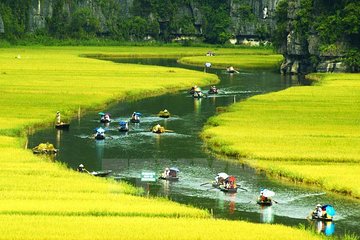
243	189
275	201
166	130
204	184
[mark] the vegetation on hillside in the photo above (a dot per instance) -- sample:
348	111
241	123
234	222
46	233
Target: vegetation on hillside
335	23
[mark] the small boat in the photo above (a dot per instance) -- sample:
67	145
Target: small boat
135	120
103	120
198	95
326	212
170	174
45	148
99	136
267	202
164	114
158	129
62	125
169	178
105	117
213	91
123	126
228	190
101	173
323	218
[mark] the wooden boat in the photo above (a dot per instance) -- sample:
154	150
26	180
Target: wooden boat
135	120
264	203
213	91
44	148
158	130
62	125
101	173
105	120
323	218
198	95
123	129
228	190
164	114
99	137
169	178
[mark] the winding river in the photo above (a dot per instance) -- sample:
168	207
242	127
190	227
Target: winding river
128	154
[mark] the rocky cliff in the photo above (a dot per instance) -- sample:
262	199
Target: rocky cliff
249	18
301	47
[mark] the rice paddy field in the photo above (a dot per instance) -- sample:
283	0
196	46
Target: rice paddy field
41	199
306	134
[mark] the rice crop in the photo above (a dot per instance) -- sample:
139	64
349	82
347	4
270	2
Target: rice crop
84	227
42	199
312	133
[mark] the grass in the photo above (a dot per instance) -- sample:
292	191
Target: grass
40	199
242	61
306	134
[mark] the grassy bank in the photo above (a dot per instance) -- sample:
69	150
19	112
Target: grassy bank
242	61
307	134
41	199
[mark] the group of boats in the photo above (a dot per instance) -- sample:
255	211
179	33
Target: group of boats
227	183
124	125
196	92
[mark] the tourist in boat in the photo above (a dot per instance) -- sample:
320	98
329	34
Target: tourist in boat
231	69
231	182
166	173
99	133
58	118
213	90
105	117
81	168
318	213
220	178
135	116
158	129
265	196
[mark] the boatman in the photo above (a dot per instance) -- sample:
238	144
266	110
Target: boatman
58	118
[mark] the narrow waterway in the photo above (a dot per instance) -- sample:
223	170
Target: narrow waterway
128	154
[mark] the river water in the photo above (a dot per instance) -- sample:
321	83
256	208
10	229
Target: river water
128	154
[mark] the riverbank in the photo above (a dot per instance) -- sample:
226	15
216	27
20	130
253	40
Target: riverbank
41	199
242	61
308	134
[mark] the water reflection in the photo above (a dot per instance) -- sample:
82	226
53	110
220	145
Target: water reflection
328	228
266	214
197	105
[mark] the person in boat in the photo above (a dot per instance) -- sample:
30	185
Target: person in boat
230	69
58	118
262	198
107	117
213	89
219	180
82	168
99	133
135	116
318	213
231	182
166	173
156	128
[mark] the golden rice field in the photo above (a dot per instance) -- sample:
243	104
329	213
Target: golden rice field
305	133
40	199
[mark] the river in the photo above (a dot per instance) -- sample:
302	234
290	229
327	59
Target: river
128	154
